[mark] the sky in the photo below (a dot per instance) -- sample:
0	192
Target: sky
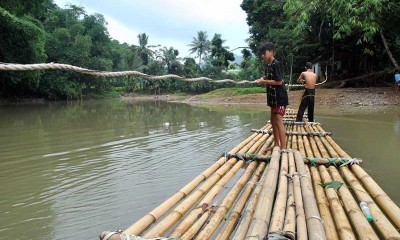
171	23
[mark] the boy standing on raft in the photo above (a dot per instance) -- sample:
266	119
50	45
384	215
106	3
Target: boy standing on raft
277	97
308	78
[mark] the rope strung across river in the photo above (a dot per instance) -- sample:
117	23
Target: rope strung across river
67	67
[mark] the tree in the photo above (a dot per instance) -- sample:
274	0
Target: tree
21	42
268	22
190	68
144	51
363	19
35	8
220	56
169	57
200	45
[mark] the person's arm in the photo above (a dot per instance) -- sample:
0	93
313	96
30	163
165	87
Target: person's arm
300	79
268	82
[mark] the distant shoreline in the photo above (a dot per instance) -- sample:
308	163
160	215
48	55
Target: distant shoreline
385	96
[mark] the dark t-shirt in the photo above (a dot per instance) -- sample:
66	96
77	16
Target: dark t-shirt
276	94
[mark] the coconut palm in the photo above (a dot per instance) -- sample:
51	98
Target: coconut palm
143	49
200	45
170	58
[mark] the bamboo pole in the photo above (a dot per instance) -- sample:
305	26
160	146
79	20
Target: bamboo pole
289	228
301	224
300	145
322	202
179	211
315	226
227	203
279	211
261	218
384	226
360	224
185	224
143	223
195	228
342	223
229	226
245	221
247	216
384	201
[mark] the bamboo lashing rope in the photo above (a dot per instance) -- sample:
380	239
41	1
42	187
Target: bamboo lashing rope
322	134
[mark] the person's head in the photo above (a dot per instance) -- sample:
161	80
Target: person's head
308	65
266	51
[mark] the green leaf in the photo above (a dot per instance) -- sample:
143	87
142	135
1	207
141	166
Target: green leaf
335	185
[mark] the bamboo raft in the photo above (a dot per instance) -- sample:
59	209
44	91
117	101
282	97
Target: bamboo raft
312	190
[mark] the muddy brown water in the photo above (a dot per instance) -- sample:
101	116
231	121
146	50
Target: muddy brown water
71	170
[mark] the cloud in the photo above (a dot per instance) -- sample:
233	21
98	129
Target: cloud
121	32
171	23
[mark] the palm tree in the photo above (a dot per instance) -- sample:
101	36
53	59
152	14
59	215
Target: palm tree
144	51
200	45
169	56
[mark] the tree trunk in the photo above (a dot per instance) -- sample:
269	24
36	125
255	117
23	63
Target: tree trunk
199	59
396	65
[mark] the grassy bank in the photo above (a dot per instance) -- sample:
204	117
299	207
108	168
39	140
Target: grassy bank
227	92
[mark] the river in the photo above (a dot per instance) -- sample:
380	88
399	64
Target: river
69	170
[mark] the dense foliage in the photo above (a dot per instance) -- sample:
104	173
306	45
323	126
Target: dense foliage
348	38
39	31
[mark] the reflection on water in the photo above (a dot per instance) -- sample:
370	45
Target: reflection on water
71	170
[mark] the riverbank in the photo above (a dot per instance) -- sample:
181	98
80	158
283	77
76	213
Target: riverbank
324	97
385	96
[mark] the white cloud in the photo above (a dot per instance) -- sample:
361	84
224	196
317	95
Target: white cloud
170	23
121	32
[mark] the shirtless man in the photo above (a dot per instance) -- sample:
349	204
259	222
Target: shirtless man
308	78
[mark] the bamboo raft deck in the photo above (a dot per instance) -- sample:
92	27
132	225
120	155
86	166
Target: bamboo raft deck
281	194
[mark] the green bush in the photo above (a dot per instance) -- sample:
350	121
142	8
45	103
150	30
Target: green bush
21	42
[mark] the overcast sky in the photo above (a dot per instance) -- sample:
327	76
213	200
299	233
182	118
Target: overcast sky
170	22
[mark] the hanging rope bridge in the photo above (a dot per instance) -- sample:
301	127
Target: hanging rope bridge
67	67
